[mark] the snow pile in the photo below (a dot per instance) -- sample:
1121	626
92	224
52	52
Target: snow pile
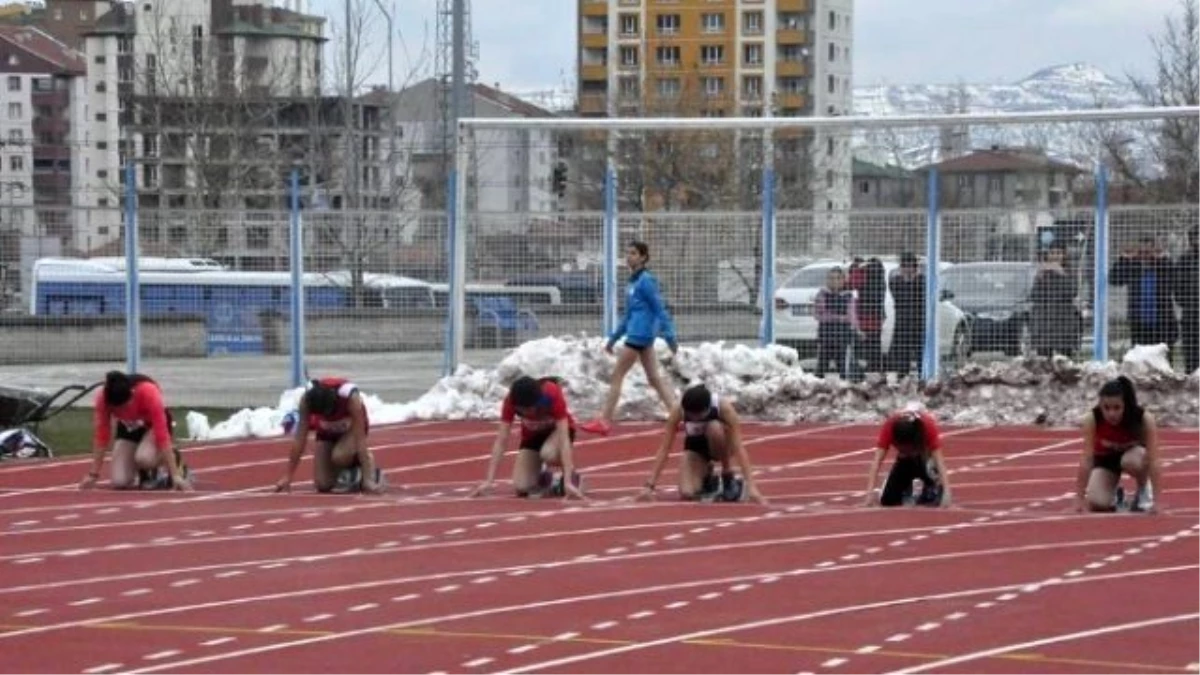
767	384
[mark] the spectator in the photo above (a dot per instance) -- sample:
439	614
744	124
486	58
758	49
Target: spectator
1148	274
1055	324
1187	286
836	322
871	293
908	294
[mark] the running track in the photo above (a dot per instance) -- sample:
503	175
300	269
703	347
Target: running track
234	579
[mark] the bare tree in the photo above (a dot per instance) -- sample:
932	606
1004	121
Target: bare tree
1171	143
357	155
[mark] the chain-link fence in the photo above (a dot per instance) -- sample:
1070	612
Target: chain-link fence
839	251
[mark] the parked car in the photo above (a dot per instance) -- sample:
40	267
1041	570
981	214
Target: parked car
796	325
995	295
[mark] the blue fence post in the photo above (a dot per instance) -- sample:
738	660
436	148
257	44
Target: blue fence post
611	252
930	355
133	296
767	284
1100	271
296	249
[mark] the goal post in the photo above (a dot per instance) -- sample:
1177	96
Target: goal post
510	207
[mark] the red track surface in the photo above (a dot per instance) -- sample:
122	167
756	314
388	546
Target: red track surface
234	579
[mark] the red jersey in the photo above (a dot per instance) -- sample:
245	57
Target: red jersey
1111	438
933	438
549	410
339	421
144	409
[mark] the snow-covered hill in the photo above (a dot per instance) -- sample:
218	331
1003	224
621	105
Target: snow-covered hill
1065	87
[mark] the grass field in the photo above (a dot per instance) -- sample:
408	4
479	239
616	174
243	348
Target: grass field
70	431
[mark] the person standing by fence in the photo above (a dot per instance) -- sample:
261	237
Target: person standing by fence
908	294
1055	320
837	323
1149	277
1187	296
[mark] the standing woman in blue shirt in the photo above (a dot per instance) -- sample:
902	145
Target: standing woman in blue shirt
645	319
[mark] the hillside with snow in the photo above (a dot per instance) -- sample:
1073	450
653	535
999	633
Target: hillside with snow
1066	87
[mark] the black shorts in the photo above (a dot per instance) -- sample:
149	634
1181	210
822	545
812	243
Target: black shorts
136	435
637	346
1110	461
534	442
900	479
698	445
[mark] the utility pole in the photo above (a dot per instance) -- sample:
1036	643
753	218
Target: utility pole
459	67
351	175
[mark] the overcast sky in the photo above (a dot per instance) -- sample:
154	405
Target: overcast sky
530	44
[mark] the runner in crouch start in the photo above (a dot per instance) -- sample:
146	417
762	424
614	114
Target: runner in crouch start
334	409
1118	436
547	438
914	436
712	434
143	437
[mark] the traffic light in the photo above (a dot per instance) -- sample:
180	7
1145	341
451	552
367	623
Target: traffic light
560	179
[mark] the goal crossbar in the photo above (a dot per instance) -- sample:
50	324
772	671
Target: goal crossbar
843	122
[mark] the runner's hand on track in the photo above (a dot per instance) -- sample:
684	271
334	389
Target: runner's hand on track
483	489
569	491
88	482
284	485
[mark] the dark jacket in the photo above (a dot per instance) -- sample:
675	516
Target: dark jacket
1055	324
1151	286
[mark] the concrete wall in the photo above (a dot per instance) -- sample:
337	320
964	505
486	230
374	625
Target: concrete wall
29	340
45	340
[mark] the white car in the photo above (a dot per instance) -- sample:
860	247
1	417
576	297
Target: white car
796	324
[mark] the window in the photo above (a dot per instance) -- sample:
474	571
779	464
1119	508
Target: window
16	136
752	54
668	56
752	86
14	111
668	24
831	147
752	23
832	84
258	237
713	86
628	87
101	87
669	87
832	20
101	117
712	54
832	52
14	83
864	187
99	60
713	23
16	163
629	56
629	24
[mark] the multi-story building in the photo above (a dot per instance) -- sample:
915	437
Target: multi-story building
719	58
40	142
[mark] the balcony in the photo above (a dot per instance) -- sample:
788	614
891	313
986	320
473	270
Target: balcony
792	36
786	99
594	72
791	68
804	6
595	40
51	152
593	104
54	126
55	98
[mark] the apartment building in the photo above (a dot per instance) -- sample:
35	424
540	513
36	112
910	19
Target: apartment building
41	85
722	58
